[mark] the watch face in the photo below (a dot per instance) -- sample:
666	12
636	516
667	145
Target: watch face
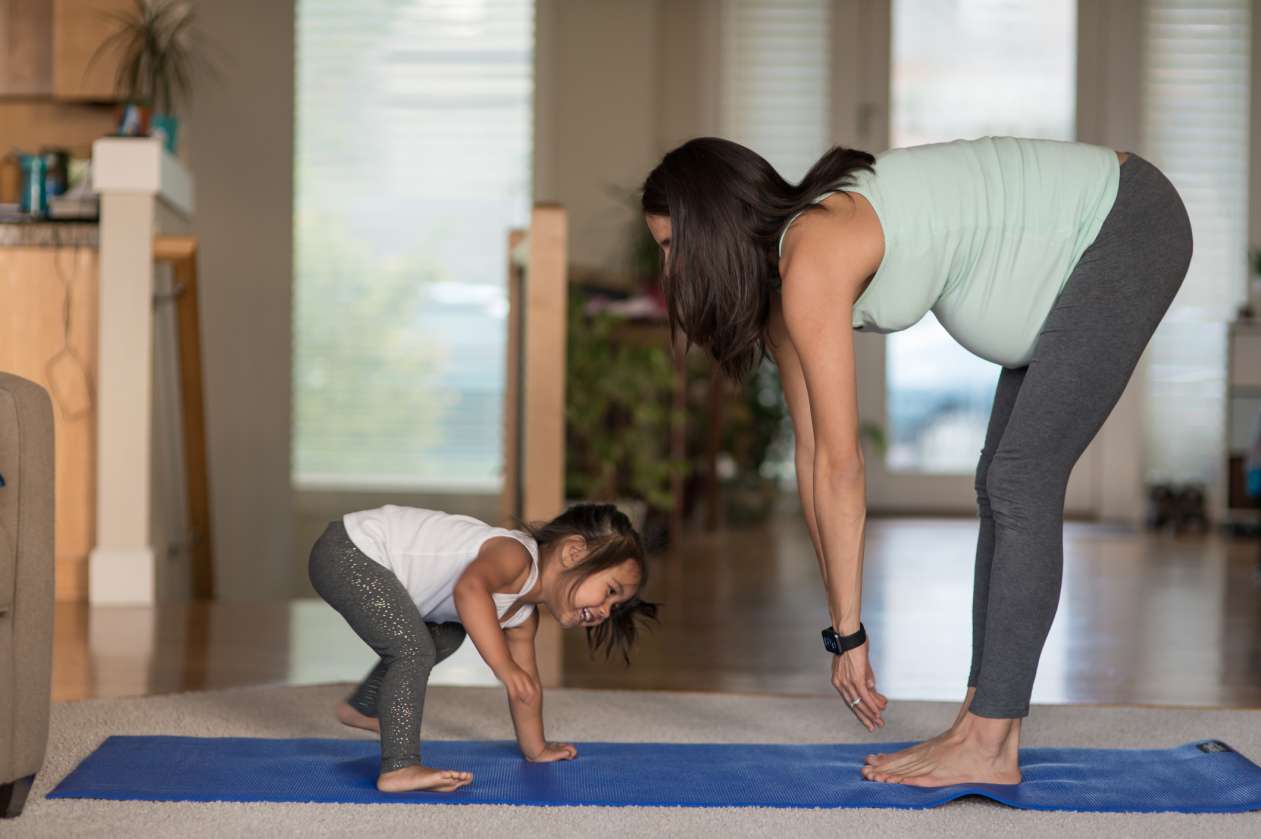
829	641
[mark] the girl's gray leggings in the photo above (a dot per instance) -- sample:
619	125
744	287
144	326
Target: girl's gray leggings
1044	416
379	610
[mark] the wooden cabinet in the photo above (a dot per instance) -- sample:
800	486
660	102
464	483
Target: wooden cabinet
48	334
79	27
47	48
26	48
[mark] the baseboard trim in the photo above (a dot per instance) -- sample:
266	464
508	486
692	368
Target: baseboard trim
121	576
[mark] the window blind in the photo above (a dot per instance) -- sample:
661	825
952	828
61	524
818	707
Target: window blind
413	156
776	80
1195	128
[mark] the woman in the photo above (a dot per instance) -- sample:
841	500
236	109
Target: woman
1055	260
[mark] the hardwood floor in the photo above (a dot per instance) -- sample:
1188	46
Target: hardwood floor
1143	619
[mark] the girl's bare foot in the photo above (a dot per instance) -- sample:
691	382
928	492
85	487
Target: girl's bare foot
349	716
412	778
902	758
977	750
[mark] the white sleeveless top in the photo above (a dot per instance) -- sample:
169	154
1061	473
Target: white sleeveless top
428	551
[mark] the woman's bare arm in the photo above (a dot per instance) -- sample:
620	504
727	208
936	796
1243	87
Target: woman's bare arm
825	261
823	271
794	384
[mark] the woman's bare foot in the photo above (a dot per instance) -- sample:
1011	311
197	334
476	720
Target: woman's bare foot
976	751
347	715
902	757
412	778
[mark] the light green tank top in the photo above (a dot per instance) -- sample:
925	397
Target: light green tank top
984	233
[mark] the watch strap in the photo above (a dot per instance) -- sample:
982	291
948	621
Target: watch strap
839	644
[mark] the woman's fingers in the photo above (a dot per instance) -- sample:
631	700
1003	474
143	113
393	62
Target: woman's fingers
874	701
871	686
864	708
870	704
854	681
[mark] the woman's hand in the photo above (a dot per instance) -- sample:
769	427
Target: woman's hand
853	678
552	752
520	684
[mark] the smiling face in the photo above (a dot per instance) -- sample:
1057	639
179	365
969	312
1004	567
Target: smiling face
590	602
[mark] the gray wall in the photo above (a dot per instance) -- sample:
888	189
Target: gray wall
240	149
596	109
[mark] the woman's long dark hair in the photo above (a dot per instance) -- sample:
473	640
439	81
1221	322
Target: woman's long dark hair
610	539
727	207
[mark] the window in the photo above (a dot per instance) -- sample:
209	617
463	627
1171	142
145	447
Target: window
776	80
1195	128
413	149
966	69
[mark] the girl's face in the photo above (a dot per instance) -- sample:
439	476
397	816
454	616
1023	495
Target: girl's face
590	602
660	228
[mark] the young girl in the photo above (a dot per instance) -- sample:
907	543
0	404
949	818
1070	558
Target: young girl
412	582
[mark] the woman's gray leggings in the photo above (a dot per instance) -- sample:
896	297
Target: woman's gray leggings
379	610
1045	414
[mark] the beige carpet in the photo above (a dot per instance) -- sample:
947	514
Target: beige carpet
77	728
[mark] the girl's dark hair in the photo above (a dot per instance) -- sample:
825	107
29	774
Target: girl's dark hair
610	540
727	208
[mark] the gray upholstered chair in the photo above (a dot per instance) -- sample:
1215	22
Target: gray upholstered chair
26	585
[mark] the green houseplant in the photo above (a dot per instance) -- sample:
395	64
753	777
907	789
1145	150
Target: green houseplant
617	414
155	68
757	442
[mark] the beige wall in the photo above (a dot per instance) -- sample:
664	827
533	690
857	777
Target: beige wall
240	148
1254	180
617	85
1109	95
596	85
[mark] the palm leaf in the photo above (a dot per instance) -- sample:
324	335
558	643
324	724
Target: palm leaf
156	39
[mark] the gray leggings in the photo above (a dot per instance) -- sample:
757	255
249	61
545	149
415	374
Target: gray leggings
1045	414
379	610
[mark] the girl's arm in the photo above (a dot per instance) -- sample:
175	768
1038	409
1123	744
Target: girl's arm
527	716
501	563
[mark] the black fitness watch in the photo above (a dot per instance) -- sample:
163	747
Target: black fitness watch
838	644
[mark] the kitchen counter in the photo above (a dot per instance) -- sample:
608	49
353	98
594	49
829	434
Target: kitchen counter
48	234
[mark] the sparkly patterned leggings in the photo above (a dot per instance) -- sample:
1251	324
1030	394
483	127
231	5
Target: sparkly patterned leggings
379	610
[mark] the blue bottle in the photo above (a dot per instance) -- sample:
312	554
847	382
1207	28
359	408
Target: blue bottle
34	187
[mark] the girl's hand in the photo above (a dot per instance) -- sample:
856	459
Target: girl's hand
520	684
853	678
553	752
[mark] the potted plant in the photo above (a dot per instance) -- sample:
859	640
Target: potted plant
155	69
618	418
754	432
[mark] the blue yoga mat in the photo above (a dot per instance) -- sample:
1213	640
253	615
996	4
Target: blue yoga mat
1203	777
